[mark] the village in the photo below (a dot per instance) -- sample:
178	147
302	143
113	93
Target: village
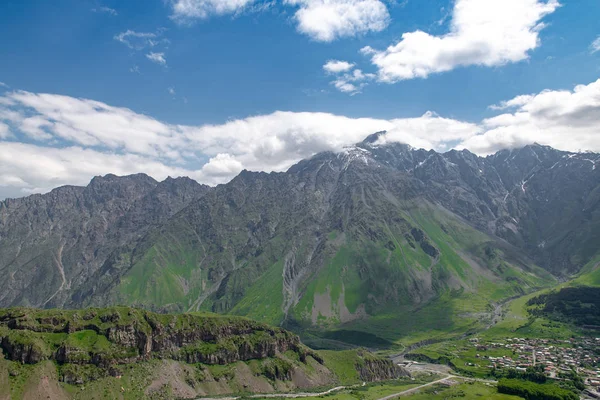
558	356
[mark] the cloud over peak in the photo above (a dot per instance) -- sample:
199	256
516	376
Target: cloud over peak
564	119
70	140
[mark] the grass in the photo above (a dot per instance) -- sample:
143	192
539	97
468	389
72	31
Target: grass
376	390
471	390
263	300
518	322
135	378
342	364
168	273
461	353
590	273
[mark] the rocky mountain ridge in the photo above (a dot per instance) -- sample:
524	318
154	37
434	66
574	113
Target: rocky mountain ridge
340	238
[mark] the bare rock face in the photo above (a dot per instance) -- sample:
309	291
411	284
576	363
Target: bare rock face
372	370
51	244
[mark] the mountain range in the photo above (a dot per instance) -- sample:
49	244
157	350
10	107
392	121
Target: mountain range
379	240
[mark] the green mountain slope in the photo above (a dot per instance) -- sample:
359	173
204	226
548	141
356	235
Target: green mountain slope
334	243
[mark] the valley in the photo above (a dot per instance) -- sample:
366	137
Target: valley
314	282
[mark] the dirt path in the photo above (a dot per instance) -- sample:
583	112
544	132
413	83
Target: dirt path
413	390
282	395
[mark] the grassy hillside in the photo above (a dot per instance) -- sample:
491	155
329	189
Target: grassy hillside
394	289
395	272
122	352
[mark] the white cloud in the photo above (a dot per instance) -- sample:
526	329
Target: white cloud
327	20
595	46
105	10
222	166
564	119
516	102
4	131
482	32
322	20
141	40
135	69
275	141
346	87
158	58
29	168
336	66
88	123
270	142
352	83
2	84
346	81
74	139
186	10
430	131
171	91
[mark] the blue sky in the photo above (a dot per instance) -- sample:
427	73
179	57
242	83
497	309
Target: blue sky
207	87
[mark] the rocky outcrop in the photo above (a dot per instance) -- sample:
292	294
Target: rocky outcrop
372	369
124	335
26	353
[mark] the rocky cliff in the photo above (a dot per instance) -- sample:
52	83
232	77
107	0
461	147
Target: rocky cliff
146	355
122	335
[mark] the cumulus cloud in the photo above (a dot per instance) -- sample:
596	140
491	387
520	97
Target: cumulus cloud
337	66
595	46
327	20
564	119
158	58
186	10
322	20
482	32
222	166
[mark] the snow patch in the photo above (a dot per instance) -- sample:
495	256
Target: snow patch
525	183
